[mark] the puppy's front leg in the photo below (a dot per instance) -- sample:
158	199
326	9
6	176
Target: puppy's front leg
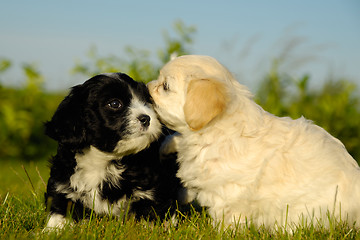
57	205
170	145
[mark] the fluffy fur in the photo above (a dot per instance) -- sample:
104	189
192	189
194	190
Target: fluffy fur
108	153
244	163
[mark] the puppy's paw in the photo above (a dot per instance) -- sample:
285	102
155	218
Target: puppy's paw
56	222
169	146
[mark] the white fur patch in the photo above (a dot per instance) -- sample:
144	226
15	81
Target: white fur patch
139	194
56	221
92	169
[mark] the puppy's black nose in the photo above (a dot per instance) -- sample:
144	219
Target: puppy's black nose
144	119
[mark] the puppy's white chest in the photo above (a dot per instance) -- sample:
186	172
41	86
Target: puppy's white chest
92	170
94	167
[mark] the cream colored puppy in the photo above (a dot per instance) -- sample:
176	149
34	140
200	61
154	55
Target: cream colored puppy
244	163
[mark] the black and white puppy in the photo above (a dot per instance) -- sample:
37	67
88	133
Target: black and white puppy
108	153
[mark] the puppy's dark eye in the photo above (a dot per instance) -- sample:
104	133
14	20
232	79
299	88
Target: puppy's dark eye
114	104
165	86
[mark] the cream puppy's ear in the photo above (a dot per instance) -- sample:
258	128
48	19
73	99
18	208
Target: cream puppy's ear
205	100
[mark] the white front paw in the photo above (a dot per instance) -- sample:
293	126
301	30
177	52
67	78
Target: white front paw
56	222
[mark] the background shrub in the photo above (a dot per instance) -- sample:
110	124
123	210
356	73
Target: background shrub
22	114
334	106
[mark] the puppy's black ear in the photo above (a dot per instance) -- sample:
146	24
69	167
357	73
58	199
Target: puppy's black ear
67	126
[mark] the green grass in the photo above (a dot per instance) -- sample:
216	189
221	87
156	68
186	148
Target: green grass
18	178
23	216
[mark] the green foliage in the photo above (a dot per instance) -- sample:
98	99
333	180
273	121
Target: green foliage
139	64
22	113
177	46
335	106
4	65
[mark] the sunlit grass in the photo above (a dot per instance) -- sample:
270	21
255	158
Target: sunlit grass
23	178
23	216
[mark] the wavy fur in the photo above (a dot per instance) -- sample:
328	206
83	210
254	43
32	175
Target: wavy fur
249	165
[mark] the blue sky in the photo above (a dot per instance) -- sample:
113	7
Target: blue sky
244	35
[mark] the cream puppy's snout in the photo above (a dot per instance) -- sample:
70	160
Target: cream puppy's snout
151	87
